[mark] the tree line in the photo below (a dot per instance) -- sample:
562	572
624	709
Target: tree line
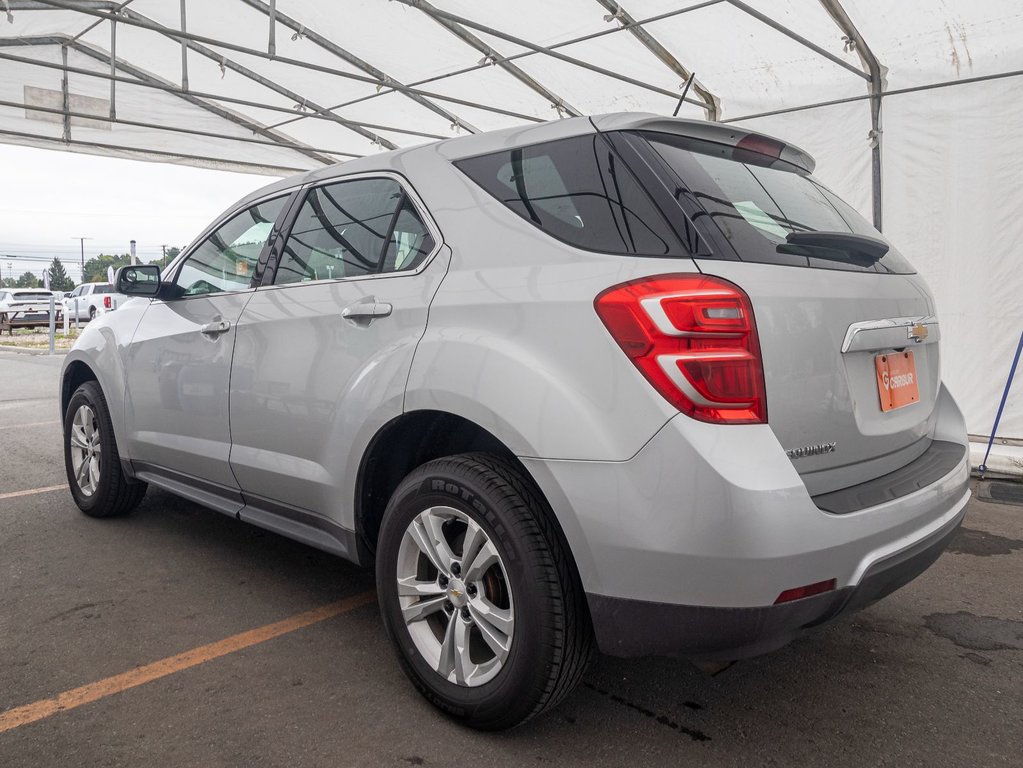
95	271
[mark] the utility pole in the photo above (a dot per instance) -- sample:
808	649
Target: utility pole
82	241
133	259
164	261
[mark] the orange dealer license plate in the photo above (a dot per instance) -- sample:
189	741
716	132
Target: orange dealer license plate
896	380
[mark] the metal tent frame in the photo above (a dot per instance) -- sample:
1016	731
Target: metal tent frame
355	69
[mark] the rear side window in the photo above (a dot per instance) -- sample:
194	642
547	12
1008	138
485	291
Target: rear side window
756	201
579	191
354	228
104	289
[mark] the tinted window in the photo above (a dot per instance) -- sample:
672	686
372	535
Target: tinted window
756	201
226	259
341	231
410	240
579	191
104	289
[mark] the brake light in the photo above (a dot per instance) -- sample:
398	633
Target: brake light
694	338
106	302
758	145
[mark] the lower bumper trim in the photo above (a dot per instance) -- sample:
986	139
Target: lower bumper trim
632	628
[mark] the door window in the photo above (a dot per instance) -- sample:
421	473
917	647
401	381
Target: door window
354	228
227	259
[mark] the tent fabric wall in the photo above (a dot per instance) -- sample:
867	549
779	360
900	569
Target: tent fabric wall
326	81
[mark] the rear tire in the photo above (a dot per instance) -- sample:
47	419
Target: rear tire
98	484
92	313
489	679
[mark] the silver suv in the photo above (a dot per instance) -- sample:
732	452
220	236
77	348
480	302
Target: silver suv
625	383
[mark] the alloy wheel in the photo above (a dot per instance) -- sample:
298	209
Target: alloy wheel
455	596
86	451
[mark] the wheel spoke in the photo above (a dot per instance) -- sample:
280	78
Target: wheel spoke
495	626
434	525
420	610
78	437
81	472
487	557
454	651
474	539
413	587
424	540
93	472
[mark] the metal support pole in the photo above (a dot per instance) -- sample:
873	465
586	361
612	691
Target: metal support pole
1001	405
876	77
53	322
113	69
184	51
271	45
66	95
712	105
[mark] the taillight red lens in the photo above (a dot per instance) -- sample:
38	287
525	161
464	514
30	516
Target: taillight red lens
106	302
694	338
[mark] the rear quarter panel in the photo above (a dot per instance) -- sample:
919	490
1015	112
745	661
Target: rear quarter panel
513	342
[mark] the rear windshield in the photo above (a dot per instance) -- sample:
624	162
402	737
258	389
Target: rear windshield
756	201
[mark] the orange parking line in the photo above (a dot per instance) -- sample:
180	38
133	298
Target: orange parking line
32	491
87	694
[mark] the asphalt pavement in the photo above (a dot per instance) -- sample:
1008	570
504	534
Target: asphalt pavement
180	637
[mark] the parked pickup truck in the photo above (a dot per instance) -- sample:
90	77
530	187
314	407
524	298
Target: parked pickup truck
92	299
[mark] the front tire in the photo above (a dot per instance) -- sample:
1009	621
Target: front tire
478	594
93	465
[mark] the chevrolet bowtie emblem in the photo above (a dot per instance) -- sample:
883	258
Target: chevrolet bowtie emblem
456	593
918	332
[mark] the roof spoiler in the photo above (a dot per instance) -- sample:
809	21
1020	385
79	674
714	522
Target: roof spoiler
705	130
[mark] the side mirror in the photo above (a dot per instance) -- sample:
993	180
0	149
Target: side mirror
138	280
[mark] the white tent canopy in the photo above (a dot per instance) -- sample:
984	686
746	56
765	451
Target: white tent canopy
911	108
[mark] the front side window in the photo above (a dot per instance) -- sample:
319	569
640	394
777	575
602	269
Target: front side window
227	258
354	228
579	191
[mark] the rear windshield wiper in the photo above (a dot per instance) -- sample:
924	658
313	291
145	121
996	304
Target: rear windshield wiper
861	250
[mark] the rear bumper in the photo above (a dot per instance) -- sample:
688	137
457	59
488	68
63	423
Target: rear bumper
685	547
638	628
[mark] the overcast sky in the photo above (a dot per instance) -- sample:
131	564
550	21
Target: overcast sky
48	197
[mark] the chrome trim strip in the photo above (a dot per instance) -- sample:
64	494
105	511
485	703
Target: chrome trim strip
889	334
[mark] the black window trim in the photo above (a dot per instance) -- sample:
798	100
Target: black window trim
679	243
408	193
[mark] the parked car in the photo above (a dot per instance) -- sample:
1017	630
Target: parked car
624	382
91	299
31	304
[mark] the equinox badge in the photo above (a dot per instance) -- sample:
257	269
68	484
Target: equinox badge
811	450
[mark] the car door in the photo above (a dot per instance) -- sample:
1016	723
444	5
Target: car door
325	345
74	303
179	361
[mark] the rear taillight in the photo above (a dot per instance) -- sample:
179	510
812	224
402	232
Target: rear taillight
694	338
106	302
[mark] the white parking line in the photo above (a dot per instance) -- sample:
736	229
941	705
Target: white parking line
32	491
